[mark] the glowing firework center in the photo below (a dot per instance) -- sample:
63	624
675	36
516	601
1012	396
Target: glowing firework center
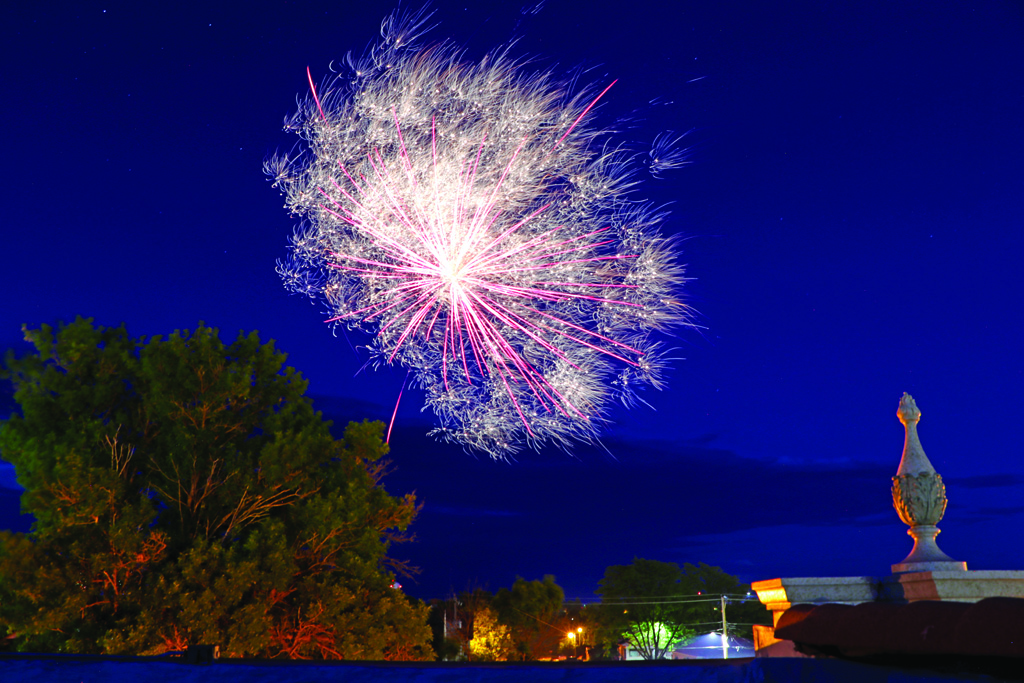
467	218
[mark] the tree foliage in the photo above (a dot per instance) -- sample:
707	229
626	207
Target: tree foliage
491	641
742	608
457	616
186	492
643	602
656	605
532	610
523	623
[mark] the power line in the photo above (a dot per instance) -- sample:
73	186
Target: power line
675	595
655	599
657	602
643	601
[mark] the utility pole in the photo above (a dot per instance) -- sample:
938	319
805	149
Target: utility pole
725	633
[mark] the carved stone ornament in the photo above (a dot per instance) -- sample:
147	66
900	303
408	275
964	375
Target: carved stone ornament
919	497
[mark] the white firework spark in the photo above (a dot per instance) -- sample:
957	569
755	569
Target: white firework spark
468	218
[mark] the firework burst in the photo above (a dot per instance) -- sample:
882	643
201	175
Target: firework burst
468	217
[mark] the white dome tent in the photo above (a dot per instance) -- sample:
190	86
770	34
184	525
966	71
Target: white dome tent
709	646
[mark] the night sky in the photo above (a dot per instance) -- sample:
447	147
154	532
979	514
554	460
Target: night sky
852	221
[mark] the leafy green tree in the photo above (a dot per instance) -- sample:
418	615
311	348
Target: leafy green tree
646	603
531	610
186	492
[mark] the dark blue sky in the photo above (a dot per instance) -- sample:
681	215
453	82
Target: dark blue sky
853	222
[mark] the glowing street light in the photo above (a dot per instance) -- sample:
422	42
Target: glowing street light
575	639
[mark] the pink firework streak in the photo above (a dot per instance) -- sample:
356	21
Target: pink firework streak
467	218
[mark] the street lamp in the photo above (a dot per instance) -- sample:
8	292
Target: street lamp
576	638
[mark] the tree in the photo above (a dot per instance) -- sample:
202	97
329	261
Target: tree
530	609
743	610
491	641
186	492
644	603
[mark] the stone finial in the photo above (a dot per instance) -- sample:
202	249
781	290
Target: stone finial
914	461
919	497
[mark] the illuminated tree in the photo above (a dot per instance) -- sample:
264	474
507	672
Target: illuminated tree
491	641
186	492
656	638
645	603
